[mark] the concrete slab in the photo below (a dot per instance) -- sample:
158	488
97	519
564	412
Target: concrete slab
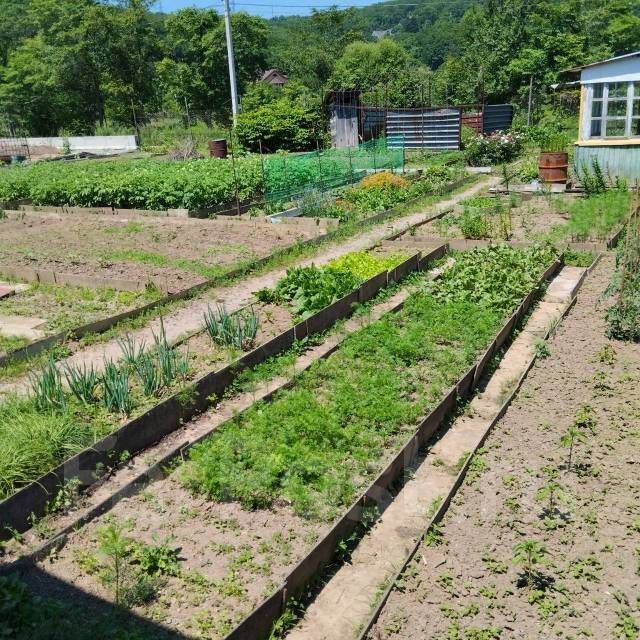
6	291
22	327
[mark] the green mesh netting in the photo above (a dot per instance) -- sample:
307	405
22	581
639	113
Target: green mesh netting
289	176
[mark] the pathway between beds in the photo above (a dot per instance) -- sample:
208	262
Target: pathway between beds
345	603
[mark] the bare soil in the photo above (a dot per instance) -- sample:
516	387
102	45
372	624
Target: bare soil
464	582
531	220
171	253
230	558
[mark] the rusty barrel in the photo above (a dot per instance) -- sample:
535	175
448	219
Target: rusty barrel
553	166
218	148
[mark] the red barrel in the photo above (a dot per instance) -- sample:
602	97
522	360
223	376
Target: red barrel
218	148
553	166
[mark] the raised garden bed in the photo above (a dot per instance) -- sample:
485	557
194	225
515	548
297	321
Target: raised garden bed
78	422
424	326
470	580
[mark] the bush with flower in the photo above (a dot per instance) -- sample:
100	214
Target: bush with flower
492	149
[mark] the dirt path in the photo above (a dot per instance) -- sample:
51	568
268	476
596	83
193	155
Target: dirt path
189	318
466	582
345	603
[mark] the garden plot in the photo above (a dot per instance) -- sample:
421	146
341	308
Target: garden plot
300	460
559	218
40	309
81	405
167	254
542	539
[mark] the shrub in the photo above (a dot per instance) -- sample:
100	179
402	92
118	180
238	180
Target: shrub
384	180
281	124
492	149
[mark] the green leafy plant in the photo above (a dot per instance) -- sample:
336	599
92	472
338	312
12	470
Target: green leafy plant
83	381
131	349
117	393
236	330
114	547
157	559
529	554
15	606
171	363
149	375
48	393
572	436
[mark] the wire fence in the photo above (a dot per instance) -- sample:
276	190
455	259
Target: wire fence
290	176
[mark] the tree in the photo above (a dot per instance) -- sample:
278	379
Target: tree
281	124
194	66
385	69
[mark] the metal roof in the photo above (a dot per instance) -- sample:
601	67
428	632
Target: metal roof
596	64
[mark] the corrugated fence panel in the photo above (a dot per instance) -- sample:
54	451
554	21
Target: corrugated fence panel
622	161
497	117
433	129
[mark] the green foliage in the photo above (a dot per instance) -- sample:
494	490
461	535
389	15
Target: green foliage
281	124
499	276
82	381
34	442
157	559
237	330
365	265
575	258
492	149
529	554
384	70
117	394
310	289
145	184
595	217
15	604
315	444
623	317
47	389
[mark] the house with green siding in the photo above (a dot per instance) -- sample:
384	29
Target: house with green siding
609	124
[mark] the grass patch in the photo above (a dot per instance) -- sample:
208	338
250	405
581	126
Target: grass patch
11	343
65	307
203	269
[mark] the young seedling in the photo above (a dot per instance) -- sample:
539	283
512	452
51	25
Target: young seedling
528	554
114	547
569	439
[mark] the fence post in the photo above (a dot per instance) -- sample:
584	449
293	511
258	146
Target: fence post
350	165
264	177
235	175
319	165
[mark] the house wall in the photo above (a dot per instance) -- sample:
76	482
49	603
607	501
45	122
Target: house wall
623	161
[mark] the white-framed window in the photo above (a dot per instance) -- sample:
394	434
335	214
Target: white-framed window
614	110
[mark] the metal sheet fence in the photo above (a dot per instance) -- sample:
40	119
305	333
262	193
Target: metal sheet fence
431	129
497	117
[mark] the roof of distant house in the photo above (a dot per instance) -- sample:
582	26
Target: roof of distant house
269	73
595	64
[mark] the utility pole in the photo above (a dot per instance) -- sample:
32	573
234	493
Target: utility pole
232	64
530	100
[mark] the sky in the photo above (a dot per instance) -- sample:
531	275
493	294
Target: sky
264	8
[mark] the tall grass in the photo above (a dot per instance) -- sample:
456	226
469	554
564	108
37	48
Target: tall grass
35	441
